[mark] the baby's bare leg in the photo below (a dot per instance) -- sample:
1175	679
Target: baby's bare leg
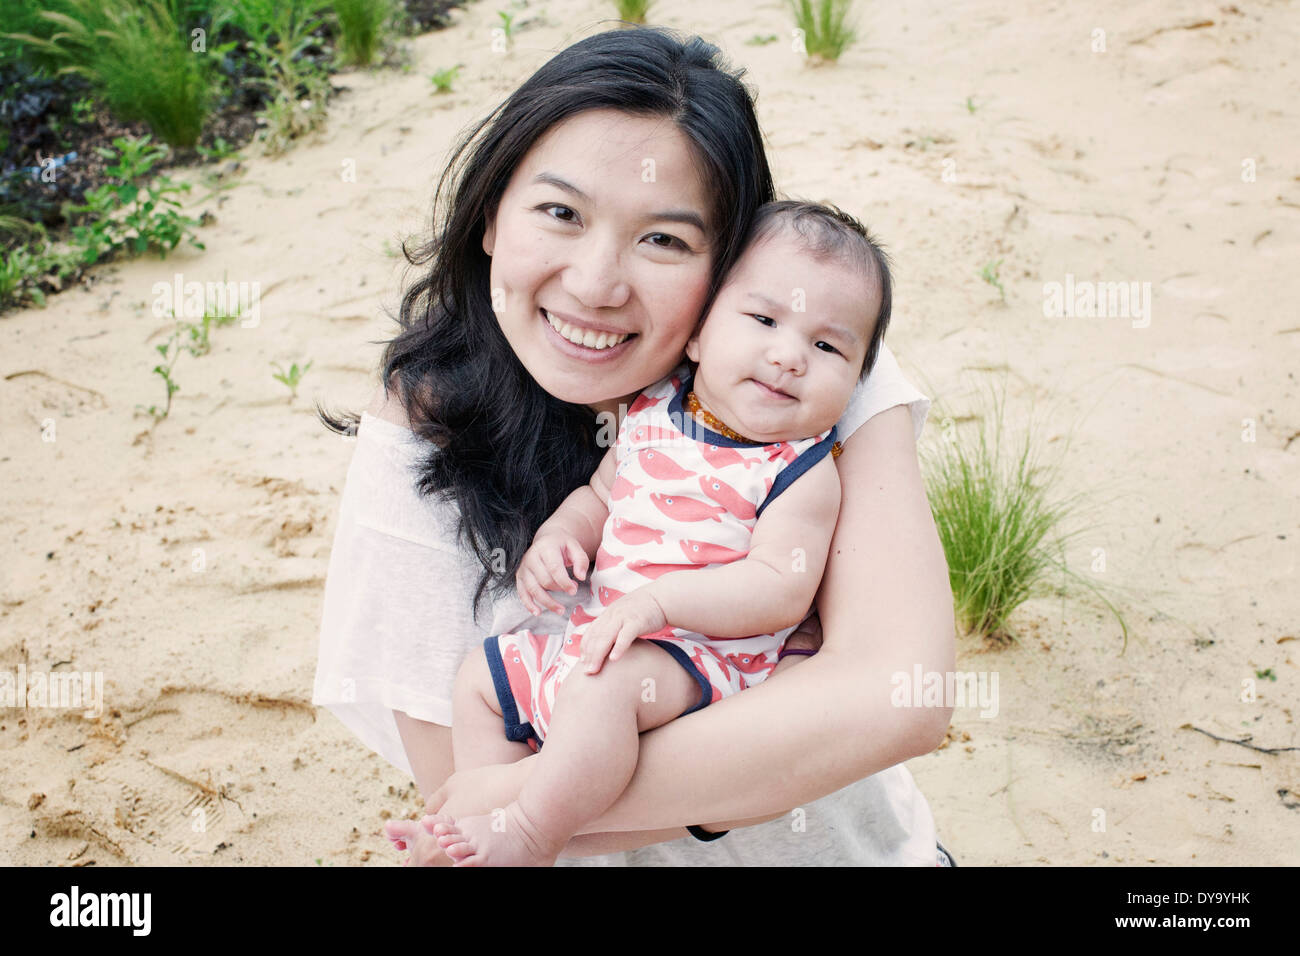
589	756
478	735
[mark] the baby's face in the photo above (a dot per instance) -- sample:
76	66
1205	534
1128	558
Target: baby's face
785	322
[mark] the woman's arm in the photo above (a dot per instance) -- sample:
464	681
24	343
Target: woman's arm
885	608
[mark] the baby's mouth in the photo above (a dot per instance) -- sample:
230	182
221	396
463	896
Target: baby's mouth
588	338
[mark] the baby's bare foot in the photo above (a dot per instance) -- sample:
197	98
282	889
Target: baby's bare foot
502	838
417	836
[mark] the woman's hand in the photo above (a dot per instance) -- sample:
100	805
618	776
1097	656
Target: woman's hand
480	790
542	569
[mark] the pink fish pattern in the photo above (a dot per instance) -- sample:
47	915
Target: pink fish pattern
697	499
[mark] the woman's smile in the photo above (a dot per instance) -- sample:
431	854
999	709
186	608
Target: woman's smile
583	342
583	332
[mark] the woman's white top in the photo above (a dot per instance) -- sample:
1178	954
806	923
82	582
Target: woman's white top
397	623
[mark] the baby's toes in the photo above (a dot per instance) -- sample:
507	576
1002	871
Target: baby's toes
432	821
400	832
459	850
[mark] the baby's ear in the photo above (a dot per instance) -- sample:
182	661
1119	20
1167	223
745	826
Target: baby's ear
693	348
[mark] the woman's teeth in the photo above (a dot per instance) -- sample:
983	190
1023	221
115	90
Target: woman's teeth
592	340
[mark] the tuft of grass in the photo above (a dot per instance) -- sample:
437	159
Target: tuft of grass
970	105
826	30
761	39
442	79
990	275
1002	521
137	57
298	87
633	11
364	27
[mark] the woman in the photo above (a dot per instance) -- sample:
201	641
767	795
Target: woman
611	192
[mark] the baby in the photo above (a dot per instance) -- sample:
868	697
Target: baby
709	523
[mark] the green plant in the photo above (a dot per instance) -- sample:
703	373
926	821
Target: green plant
83	110
291	378
136	215
633	11
18	268
990	275
826	30
218	151
135	54
970	105
194	338
170	352
1000	516
507	26
1266	674
285	73
364	26
200	334
28	258
443	79
762	39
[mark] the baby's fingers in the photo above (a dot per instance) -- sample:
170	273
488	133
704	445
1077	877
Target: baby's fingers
626	635
554	561
536	594
595	647
577	558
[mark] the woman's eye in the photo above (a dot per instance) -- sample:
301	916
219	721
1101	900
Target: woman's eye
764	319
671	241
828	347
551	206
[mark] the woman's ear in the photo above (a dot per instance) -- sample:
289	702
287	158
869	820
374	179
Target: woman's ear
490	235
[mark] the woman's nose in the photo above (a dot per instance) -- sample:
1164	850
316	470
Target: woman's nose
594	274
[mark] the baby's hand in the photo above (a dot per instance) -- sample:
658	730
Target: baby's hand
543	569
618	626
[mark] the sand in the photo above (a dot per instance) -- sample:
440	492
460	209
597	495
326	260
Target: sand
186	562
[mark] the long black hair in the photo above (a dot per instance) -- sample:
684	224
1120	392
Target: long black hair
508	453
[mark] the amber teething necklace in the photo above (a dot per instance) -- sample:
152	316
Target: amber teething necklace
697	409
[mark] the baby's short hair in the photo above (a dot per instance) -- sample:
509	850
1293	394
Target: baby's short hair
830	233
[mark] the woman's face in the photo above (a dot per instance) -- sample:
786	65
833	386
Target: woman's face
603	228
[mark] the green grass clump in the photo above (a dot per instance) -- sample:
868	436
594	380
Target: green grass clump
136	56
364	27
633	11
444	78
298	88
1002	521
826	30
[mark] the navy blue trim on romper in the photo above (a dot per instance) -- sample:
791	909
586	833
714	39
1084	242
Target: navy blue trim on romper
692	428
509	712
523	732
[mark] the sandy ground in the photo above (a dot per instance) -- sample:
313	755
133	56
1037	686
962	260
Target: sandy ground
1131	163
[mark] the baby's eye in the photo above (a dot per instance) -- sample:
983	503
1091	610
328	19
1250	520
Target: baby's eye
764	320
828	347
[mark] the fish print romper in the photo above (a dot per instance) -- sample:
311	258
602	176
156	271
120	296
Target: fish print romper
683	497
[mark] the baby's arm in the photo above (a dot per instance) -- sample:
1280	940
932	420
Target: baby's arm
771	588
573	532
774	585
